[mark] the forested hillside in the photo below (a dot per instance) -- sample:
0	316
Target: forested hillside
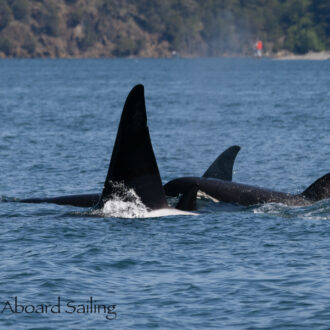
158	28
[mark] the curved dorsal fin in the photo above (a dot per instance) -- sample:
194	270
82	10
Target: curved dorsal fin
222	167
318	190
133	161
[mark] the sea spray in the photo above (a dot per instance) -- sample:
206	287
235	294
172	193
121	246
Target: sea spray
124	203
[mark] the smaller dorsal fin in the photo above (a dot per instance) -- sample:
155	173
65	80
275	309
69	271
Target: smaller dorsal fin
318	190
222	167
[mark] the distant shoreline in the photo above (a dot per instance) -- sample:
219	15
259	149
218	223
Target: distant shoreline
314	56
281	55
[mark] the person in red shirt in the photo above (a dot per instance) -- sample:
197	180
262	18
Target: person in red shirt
259	48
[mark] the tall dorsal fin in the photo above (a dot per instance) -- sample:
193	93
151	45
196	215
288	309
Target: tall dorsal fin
318	190
222	167
133	161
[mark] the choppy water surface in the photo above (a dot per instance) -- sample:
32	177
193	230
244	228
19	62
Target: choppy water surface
232	267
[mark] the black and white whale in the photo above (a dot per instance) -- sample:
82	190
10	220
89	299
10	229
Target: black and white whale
221	168
133	163
242	194
132	166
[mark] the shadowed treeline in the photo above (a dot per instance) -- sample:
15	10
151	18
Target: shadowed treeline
157	28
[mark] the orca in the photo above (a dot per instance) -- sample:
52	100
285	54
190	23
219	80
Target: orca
132	166
246	195
217	184
133	163
221	168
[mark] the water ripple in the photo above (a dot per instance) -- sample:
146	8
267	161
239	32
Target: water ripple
263	266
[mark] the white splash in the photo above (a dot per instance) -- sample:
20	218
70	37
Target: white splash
127	204
115	208
120	209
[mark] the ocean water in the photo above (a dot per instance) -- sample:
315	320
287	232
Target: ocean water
264	266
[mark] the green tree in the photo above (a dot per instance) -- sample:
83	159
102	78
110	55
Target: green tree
90	35
20	9
6	46
5	14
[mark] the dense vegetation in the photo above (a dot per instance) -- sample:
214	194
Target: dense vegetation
152	28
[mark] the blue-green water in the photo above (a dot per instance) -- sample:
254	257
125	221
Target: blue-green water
229	267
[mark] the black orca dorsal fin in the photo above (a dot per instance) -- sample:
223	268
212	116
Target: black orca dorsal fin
222	167
133	161
318	190
187	201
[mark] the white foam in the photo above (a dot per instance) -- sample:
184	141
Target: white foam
317	211
120	209
127	204
274	208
